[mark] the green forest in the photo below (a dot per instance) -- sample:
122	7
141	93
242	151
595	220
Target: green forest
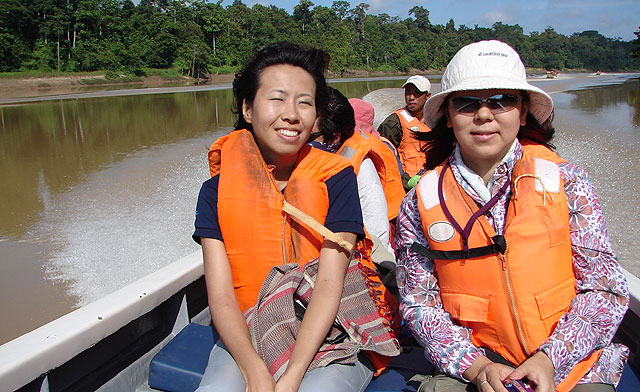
196	37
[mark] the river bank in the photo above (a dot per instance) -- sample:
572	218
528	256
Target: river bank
18	87
35	89
21	88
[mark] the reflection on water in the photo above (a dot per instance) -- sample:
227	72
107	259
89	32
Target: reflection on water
597	127
45	148
599	98
97	193
361	87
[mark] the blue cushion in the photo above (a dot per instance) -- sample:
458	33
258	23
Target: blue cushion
629	382
179	366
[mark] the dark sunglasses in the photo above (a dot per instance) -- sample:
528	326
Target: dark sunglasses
498	103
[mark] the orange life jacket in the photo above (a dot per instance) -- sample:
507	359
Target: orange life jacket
250	214
361	146
511	301
258	235
393	149
410	149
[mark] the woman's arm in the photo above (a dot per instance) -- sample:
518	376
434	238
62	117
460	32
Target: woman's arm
373	203
228	319
447	345
602	294
321	311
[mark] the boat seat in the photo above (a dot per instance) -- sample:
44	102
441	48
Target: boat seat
179	365
400	370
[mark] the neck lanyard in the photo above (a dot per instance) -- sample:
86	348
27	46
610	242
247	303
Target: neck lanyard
467	229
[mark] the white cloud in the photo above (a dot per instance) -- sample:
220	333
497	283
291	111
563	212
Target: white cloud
376	6
489	18
555	4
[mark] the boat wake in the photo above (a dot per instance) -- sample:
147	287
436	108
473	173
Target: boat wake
126	221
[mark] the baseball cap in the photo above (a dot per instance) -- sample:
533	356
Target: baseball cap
421	83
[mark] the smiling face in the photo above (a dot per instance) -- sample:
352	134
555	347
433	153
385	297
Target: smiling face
485	136
282	113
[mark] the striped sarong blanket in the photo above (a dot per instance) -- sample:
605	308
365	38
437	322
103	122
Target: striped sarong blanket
274	326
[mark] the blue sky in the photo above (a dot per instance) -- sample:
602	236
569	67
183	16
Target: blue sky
612	18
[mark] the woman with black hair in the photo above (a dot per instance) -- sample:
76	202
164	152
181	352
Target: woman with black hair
379	184
249	224
505	267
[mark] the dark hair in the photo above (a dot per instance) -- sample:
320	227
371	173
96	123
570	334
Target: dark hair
336	118
440	142
247	80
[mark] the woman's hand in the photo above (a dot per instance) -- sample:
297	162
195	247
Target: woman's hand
260	380
491	377
539	370
488	375
287	384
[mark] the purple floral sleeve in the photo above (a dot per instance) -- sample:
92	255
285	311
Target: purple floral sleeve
446	345
602	294
589	325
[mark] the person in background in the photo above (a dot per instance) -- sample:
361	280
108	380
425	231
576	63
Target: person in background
245	225
365	114
402	125
346	128
505	268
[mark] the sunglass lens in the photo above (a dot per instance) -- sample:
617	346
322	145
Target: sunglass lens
466	104
503	102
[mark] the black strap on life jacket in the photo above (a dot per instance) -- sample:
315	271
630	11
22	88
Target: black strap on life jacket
499	246
499	242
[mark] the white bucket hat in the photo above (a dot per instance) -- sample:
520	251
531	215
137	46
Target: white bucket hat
487	65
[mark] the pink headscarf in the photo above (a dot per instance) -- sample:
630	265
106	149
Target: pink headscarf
364	114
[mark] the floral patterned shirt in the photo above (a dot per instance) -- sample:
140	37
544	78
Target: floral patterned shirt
593	316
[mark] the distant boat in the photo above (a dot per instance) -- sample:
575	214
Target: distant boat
552	74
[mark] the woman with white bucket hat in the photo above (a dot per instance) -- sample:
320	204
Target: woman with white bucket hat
505	267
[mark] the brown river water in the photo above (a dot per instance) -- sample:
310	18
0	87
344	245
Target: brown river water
99	189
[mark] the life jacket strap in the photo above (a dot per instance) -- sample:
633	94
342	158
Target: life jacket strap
317	226
499	246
